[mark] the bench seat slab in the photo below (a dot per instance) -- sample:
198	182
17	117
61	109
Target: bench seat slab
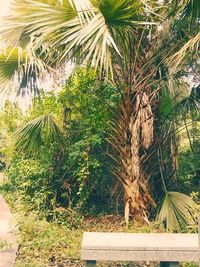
140	247
109	255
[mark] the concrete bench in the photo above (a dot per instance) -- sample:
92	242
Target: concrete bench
168	249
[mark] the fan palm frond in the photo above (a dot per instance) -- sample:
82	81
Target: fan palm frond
8	67
191	46
71	29
87	35
23	65
186	22
71	25
178	7
30	137
10	61
191	12
190	104
119	13
38	14
177	210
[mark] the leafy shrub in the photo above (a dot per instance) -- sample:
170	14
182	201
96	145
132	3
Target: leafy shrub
57	179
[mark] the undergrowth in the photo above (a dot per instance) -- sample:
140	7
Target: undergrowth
47	243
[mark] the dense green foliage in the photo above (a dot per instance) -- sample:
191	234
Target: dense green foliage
77	174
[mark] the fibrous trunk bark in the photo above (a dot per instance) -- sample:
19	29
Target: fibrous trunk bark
133	139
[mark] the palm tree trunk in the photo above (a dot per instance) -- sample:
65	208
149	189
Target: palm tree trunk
135	133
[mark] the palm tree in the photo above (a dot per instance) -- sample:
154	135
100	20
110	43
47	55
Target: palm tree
122	41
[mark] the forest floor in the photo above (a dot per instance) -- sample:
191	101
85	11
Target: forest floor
45	243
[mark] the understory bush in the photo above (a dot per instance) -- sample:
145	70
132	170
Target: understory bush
77	176
189	169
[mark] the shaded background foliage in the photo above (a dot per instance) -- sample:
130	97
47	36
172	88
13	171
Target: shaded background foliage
78	175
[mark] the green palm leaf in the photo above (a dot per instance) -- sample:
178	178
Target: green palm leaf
21	63
7	69
121	12
187	22
27	16
177	210
191	12
72	29
190	104
190	46
30	137
86	34
10	61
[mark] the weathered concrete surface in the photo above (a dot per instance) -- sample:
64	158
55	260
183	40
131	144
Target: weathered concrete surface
8	234
140	247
